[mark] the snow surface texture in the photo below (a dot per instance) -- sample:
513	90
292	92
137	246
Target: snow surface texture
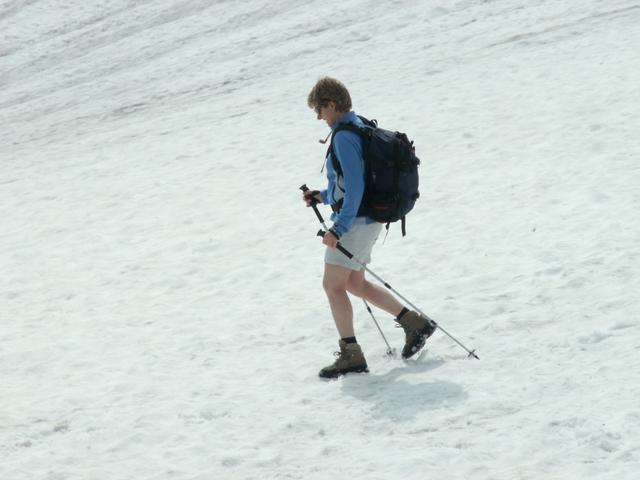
162	315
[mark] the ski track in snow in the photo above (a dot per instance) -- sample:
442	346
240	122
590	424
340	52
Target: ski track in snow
161	310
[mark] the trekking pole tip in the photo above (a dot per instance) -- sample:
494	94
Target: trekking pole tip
472	353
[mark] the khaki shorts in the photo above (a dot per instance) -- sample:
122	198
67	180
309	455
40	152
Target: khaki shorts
359	241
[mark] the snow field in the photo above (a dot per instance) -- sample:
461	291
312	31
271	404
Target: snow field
162	313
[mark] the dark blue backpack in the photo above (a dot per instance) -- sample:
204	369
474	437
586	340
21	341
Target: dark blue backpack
390	172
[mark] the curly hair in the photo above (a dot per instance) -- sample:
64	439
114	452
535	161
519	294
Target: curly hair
327	90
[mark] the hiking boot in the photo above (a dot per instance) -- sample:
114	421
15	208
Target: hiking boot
350	359
417	329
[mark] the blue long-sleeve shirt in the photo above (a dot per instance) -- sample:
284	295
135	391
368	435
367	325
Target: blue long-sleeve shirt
347	147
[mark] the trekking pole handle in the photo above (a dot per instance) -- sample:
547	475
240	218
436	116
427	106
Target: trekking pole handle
305	189
322	233
314	205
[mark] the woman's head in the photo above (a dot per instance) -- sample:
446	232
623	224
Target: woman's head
327	90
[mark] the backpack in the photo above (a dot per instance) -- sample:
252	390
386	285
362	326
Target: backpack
390	173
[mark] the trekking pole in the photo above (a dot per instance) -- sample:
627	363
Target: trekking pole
390	351
349	255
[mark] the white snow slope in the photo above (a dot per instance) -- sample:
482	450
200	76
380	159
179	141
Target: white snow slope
161	307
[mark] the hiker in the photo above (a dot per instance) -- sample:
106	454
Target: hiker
332	103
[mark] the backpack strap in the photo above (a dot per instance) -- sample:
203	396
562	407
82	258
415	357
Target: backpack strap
364	132
345	126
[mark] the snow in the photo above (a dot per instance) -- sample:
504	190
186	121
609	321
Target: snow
161	310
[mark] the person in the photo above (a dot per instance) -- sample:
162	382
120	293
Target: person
332	103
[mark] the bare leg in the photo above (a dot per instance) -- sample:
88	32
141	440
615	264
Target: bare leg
381	298
334	283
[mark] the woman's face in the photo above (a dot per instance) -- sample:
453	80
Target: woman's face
328	113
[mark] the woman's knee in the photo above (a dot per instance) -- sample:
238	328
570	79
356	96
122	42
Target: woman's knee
333	282
331	287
